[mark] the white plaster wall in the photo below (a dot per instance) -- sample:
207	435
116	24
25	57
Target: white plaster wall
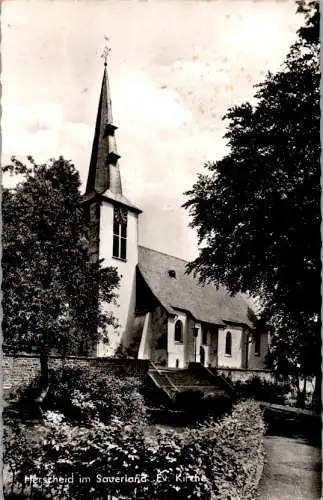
176	350
258	361
238	338
144	351
126	269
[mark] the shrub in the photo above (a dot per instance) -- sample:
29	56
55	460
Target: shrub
217	404
24	401
24	391
82	397
216	460
189	399
114	451
262	390
201	404
231	450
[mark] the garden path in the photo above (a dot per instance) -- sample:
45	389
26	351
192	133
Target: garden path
292	470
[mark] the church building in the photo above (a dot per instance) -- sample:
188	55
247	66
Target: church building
164	314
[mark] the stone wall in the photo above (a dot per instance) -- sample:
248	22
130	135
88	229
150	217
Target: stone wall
242	375
20	369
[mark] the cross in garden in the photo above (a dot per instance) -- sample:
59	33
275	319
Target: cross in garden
106	51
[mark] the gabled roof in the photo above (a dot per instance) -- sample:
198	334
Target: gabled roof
204	303
109	196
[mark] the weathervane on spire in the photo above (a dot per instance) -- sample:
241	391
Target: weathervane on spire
106	51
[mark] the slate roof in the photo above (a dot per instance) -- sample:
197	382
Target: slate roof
104	173
204	303
109	196
119	198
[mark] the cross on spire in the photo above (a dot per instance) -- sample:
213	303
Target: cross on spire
106	51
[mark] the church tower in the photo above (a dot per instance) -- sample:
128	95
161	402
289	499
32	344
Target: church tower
114	218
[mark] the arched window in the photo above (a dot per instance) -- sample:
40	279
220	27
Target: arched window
228	344
178	336
177	363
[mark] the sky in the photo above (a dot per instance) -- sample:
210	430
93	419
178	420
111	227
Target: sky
175	67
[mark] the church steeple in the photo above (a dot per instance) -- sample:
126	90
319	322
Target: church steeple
104	173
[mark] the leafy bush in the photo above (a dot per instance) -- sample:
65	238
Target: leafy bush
114	451
189	399
82	397
216	460
24	391
202	404
231	451
262	390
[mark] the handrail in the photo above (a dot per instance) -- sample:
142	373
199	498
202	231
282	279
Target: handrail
160	387
160	372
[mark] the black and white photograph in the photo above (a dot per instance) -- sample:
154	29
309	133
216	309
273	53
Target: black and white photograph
161	270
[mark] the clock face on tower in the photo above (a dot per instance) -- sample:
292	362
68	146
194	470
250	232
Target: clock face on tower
120	215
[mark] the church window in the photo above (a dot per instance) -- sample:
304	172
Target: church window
257	344
177	363
120	233
228	344
178	336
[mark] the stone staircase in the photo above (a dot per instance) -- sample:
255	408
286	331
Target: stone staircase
196	377
160	379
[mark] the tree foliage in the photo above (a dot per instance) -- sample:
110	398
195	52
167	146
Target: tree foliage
52	291
257	211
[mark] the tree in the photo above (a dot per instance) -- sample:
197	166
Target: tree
257	211
53	291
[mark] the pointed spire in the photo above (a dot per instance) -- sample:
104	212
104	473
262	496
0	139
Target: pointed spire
104	173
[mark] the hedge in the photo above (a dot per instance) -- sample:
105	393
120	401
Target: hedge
215	460
232	451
